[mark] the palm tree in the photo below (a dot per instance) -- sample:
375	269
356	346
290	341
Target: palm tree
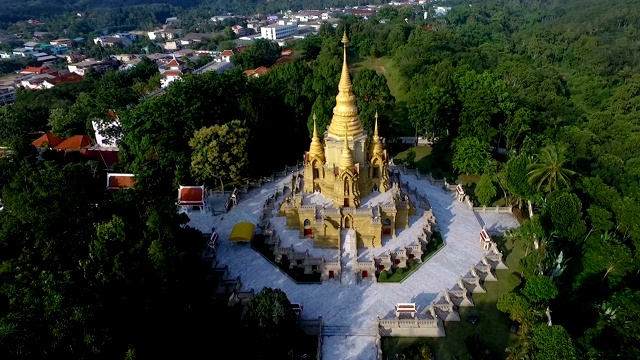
549	170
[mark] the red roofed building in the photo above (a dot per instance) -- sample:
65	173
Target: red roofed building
67	78
104	156
256	72
75	142
47	140
35	70
191	197
283	60
173	72
226	55
286	52
119	181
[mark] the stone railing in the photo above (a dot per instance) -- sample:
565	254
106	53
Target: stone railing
493	209
411	327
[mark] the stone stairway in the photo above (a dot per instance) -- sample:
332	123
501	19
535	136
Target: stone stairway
349	256
348	330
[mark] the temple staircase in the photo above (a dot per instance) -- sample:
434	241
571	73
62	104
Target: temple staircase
349	255
348	330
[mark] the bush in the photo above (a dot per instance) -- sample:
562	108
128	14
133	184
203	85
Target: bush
410	159
384	275
426	353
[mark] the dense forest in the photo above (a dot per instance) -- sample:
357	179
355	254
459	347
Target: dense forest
538	100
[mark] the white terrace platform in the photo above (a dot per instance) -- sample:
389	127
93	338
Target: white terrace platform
349	311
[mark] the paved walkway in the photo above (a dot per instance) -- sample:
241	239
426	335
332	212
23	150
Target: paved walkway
349	312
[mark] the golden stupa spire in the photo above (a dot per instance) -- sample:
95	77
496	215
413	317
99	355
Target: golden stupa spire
316	148
346	160
377	144
345	114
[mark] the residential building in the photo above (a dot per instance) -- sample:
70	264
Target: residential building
34	70
66	42
31	45
82	67
194	38
256	72
6	55
59	49
171	45
41	34
130	36
277	32
283	60
171	20
47	58
23	52
220	17
441	10
66	78
7	94
75	58
239	30
112	41
35	81
168	34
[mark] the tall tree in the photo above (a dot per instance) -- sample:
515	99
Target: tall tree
219	152
470	155
549	172
430	111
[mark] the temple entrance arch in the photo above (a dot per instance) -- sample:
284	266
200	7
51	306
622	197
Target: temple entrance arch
308	230
347	222
386	226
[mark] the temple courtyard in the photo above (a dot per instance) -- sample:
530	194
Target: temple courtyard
349	308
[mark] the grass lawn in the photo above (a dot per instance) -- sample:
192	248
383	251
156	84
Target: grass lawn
385	66
493	328
425	161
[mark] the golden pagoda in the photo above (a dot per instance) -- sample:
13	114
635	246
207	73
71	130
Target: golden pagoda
349	171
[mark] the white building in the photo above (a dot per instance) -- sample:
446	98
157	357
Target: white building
442	11
276	32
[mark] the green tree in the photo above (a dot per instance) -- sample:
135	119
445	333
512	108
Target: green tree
219	152
550	173
430	111
261	52
563	214
519	309
271	321
470	155
540	290
515	179
553	342
485	190
372	94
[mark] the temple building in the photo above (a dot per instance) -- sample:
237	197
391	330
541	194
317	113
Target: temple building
345	183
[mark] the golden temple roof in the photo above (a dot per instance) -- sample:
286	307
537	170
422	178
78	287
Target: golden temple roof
377	144
346	160
345	114
316	149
